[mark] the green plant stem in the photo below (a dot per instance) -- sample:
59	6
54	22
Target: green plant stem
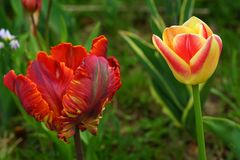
199	123
35	31
47	23
78	145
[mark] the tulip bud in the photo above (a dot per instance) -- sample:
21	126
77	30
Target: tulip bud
32	5
191	50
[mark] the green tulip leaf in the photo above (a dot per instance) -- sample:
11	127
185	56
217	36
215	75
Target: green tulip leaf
171	94
226	130
157	22
93	34
186	10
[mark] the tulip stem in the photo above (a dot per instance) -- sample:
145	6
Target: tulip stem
35	33
47	23
78	145
199	123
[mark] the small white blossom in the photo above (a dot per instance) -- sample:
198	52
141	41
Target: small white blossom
14	44
6	35
2	32
1	45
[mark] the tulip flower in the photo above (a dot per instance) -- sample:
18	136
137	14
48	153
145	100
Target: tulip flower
191	50
32	5
68	88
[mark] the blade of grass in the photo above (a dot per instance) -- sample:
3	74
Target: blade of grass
157	20
93	34
186	10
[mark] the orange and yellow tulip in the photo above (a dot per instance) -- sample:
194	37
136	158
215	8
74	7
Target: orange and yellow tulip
191	50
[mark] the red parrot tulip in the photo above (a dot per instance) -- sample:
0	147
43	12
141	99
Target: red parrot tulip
191	50
68	88
32	5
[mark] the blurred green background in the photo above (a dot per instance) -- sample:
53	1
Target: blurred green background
133	126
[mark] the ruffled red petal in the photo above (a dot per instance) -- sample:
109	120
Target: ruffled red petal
115	81
93	85
51	78
29	95
88	87
9	80
99	46
72	56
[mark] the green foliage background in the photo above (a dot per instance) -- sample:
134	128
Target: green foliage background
134	126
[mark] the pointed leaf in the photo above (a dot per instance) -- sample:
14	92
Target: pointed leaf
64	33
167	109
157	22
186	10
226	130
164	82
157	27
93	34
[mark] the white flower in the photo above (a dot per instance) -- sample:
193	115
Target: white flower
6	35
14	44
1	45
2	32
